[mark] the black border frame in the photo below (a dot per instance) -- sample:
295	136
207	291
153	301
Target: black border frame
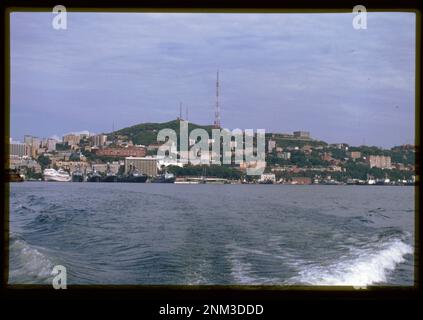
199	294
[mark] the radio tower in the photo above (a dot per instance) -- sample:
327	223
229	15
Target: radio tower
217	110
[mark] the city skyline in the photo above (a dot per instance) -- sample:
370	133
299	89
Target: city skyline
277	72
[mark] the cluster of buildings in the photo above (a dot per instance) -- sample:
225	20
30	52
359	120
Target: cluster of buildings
99	152
68	154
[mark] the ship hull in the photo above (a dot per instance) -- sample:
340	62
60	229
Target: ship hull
94	179
163	180
133	179
77	178
56	179
13	177
109	179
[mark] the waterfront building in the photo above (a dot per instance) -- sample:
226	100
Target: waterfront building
146	165
121	152
23	165
105	167
71	166
300	180
268	177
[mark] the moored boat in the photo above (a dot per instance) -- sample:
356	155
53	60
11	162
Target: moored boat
93	176
13	176
165	178
134	176
56	175
77	176
109	177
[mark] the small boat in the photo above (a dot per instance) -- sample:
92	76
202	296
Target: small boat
56	175
77	176
134	176
13	175
94	176
165	178
110	176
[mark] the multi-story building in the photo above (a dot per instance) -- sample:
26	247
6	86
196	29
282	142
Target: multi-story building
271	145
383	162
28	139
71	166
302	134
71	139
99	140
51	144
33	144
147	166
24	164
19	149
285	155
354	154
121	152
342	146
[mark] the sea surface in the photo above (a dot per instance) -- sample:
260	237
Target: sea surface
212	234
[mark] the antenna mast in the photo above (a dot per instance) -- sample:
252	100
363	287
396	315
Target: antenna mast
217	109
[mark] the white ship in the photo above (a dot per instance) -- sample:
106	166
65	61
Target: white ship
58	176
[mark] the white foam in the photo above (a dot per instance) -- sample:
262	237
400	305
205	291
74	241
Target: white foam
242	272
27	264
367	267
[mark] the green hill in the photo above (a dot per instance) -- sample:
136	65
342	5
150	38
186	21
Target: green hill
146	133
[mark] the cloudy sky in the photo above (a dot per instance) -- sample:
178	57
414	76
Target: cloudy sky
279	72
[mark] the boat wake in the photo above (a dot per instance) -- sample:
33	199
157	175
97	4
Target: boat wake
367	267
28	265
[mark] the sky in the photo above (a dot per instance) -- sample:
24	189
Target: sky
278	72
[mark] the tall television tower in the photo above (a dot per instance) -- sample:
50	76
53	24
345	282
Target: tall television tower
217	109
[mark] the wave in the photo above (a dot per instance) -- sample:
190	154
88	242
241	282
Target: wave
369	266
28	265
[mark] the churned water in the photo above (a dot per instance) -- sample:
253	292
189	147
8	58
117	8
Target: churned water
212	234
